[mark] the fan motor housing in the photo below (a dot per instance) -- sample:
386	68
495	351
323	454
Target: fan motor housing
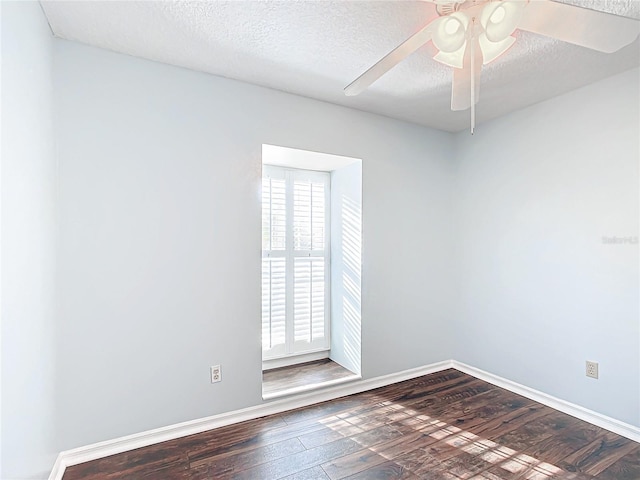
447	8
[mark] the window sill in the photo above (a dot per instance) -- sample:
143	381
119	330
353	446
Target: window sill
309	388
294	359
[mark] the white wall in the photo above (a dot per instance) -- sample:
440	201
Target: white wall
539	292
160	238
28	243
346	266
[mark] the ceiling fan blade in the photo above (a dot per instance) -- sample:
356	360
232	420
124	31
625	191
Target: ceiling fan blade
389	61
599	31
461	88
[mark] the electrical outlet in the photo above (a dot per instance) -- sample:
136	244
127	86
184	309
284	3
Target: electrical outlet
216	374
592	369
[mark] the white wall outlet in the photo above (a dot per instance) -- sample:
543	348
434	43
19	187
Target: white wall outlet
216	374
592	369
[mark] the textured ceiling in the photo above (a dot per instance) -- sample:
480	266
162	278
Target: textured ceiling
316	48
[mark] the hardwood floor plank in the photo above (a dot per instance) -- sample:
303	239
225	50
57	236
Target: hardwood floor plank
598	455
463	465
314	473
437	405
526	436
176	468
388	409
541	472
412	392
362	459
140	463
246	441
381	444
231	437
384	471
298	462
513	420
563	443
474	412
317	412
627	468
218	467
334	430
436	458
447	425
423	464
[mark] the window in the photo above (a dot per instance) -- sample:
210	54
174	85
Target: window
295	261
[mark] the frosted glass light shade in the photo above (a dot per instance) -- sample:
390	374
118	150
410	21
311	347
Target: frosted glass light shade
452	59
450	32
492	50
500	19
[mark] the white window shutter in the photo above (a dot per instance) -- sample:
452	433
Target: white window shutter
295	267
274	214
309	300
273	302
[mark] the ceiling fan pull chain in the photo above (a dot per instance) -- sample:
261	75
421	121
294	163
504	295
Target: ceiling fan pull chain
473	77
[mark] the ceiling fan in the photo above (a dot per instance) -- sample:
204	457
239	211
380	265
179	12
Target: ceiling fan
470	33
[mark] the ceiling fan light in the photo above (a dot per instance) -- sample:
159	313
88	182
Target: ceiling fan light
451	26
492	50
498	14
452	59
500	19
450	32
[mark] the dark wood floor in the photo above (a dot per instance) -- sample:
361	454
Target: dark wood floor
304	376
442	426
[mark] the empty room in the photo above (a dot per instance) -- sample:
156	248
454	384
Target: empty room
320	239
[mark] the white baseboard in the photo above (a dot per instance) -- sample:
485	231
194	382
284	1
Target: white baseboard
58	468
616	426
143	439
123	444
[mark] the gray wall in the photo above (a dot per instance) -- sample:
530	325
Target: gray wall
539	291
346	266
159	253
28	243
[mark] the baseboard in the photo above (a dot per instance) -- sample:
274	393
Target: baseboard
123	444
616	426
58	468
